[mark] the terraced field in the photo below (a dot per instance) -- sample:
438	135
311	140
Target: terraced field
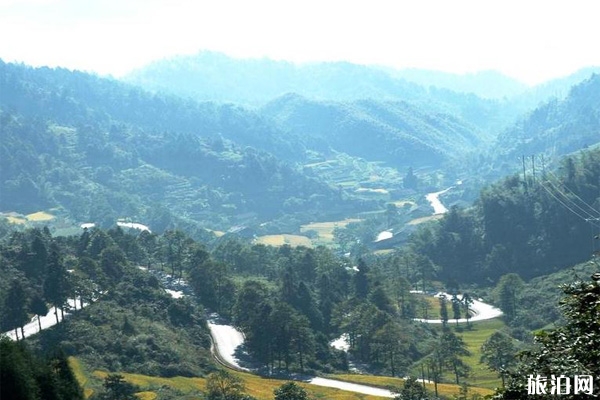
280	240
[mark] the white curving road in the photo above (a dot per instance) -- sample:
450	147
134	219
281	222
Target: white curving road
481	311
227	339
433	199
48	320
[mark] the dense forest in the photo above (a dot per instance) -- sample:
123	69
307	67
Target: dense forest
211	178
530	226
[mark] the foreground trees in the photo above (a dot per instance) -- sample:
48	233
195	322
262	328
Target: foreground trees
290	391
498	352
223	385
570	350
25	377
116	388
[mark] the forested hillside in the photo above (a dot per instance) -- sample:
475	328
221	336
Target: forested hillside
556	128
395	132
100	149
290	302
215	76
530	226
94	149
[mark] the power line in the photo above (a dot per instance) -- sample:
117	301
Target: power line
594	211
584	218
591	215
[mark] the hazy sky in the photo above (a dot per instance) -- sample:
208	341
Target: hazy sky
528	39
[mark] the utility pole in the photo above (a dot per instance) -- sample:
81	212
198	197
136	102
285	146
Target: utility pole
533	167
524	173
543	167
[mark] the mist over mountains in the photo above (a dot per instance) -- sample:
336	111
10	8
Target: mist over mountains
294	204
211	138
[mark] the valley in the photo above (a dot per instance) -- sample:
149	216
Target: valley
216	232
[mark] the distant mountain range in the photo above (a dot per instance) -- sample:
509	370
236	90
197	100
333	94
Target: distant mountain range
101	148
557	127
488	100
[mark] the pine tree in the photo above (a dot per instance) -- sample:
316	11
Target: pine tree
15	305
361	280
444	311
38	307
16	379
56	285
116	388
290	391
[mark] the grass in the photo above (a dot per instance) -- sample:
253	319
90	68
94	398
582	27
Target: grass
474	338
421	220
81	376
383	252
146	395
481	381
259	387
262	388
433	310
280	240
16	220
444	389
480	375
325	229
40	216
148	383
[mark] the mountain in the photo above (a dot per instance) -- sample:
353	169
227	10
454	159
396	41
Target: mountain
484	84
557	127
100	149
558	88
217	77
396	132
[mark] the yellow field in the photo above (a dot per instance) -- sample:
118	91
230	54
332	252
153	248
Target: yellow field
418	221
80	376
146	383
280	240
444	389
16	220
40	216
261	388
325	229
146	395
383	252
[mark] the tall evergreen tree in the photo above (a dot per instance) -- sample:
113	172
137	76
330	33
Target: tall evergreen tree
56	285
17	381
361	280
116	388
15	306
38	307
498	352
290	391
444	310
